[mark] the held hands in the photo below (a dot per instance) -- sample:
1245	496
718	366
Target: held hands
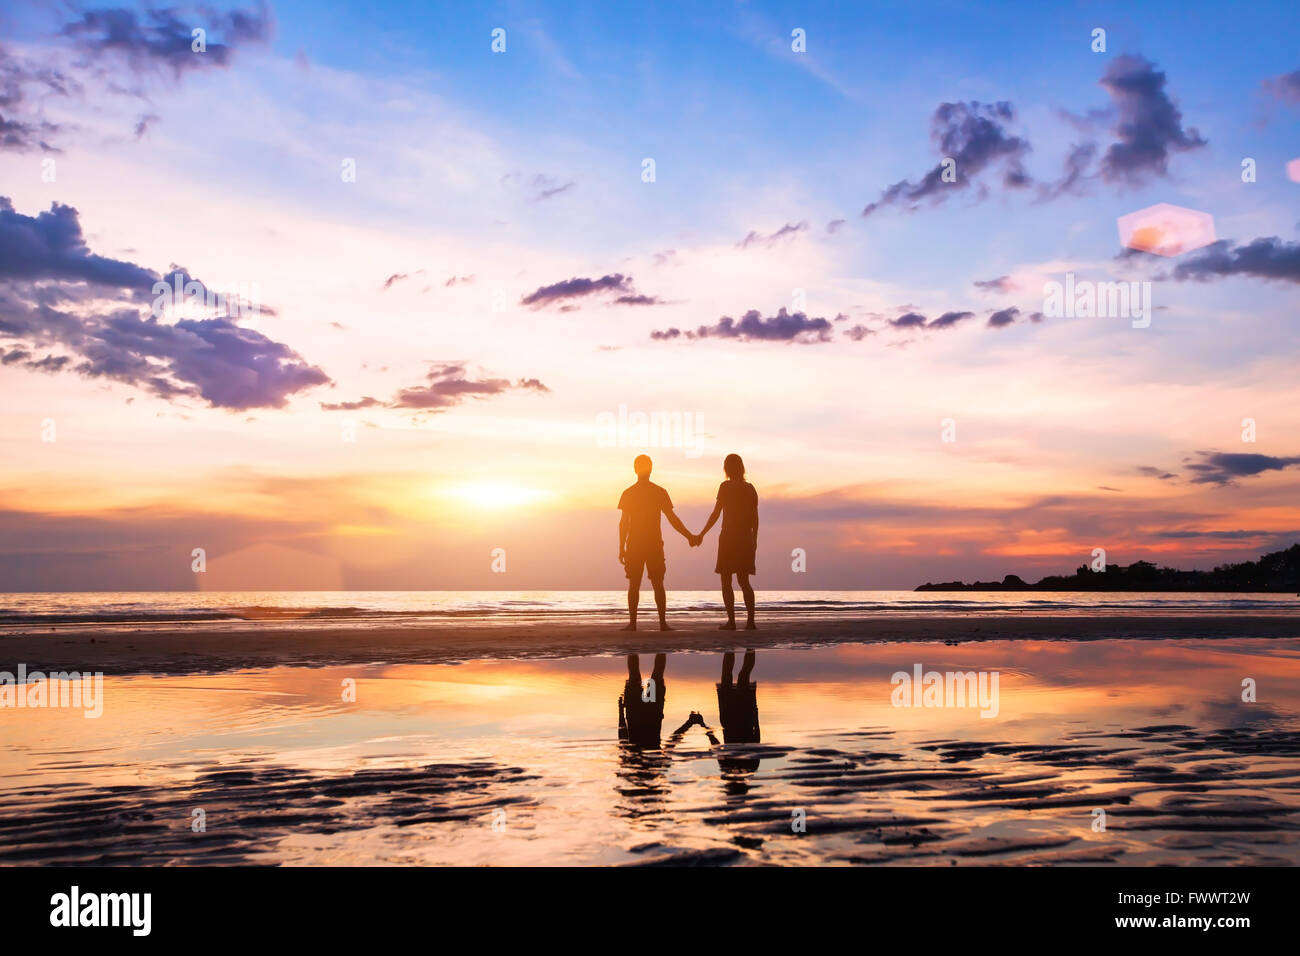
695	539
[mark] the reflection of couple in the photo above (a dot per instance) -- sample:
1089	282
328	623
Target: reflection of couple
641	705
641	543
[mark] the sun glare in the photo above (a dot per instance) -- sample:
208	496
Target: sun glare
496	494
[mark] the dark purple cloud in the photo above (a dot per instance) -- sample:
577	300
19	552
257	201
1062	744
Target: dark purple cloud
1223	468
915	320
1000	284
1148	126
446	386
55	294
50	245
162	38
578	288
785	232
976	137
1264	258
753	327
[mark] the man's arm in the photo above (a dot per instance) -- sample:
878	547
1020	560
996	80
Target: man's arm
622	537
676	522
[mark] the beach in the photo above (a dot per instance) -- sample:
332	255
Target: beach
1092	750
196	648
199	649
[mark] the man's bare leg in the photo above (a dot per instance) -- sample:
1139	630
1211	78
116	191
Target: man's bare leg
661	601
633	599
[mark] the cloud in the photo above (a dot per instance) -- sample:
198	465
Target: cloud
143	123
107	39
638	300
56	294
547	187
1264	258
1000	284
752	327
1285	87
1077	162
24	85
1148	126
1152	472
1226	535
1003	318
915	320
785	232
446	386
834	225
459	280
163	39
578	288
975	137
51	246
1223	468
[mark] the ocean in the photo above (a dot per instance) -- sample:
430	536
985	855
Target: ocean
398	609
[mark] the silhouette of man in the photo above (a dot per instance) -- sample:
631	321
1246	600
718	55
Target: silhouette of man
640	540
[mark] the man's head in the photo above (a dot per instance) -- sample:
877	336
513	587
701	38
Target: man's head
642	466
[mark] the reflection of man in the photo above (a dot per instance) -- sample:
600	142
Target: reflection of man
640	541
641	706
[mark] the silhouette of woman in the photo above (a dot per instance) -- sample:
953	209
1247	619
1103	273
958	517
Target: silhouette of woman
738	506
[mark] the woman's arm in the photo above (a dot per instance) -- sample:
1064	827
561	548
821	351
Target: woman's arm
713	519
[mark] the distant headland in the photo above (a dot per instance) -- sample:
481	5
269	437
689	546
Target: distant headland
1278	571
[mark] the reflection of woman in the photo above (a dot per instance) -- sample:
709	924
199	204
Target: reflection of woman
738	540
738	702
738	711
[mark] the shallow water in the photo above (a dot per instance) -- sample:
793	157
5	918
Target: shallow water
305	610
519	762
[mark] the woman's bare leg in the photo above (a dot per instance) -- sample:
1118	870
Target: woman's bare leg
729	601
748	591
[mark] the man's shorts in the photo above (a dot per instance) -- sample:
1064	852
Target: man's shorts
648	557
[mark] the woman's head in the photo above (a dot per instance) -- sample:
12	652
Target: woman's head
734	467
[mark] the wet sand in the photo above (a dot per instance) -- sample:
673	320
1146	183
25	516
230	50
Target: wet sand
197	649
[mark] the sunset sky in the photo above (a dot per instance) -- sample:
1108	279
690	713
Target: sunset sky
499	278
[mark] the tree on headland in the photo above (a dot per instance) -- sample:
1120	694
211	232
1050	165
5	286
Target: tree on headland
1275	572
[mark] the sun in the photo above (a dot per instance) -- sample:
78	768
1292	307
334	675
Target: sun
496	494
